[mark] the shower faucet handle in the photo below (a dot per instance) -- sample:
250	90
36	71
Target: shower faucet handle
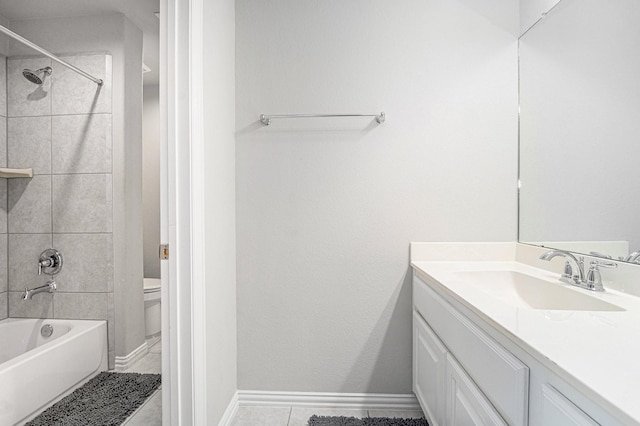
50	262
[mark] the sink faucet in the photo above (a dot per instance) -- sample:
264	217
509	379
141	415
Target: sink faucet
574	270
49	287
633	257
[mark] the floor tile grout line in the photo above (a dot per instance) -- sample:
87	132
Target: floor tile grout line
289	418
137	410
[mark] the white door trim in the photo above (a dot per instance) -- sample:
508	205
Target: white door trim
198	261
183	310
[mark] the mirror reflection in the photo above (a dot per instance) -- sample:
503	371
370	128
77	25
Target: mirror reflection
580	129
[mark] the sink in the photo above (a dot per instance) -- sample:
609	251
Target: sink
526	291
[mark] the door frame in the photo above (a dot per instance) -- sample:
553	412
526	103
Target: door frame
182	212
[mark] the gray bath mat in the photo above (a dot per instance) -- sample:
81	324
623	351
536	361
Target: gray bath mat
105	400
367	421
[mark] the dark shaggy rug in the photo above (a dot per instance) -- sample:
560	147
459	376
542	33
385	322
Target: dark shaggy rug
105	400
367	421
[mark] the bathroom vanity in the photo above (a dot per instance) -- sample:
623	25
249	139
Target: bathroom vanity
498	340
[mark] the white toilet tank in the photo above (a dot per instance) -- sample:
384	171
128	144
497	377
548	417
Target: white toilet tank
152	312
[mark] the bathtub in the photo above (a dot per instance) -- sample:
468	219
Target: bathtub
37	370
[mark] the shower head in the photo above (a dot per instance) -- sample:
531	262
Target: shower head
38	76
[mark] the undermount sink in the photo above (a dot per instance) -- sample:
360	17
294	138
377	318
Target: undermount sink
526	291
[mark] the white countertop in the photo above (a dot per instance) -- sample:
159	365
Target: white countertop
599	350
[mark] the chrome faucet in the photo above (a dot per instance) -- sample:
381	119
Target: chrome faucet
574	270
573	267
49	287
633	257
50	262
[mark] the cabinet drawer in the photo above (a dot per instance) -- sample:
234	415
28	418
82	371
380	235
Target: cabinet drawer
558	410
500	375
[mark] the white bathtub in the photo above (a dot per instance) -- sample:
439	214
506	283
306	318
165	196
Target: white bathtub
36	370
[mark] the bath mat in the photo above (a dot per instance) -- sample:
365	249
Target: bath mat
367	421
106	400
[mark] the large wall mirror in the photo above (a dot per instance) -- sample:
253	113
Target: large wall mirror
580	128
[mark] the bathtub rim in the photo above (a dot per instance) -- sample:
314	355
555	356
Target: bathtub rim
78	328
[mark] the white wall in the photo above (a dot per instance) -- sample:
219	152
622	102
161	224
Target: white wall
327	208
532	10
127	199
151	179
220	238
114	34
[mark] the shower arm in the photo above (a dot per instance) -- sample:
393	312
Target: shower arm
48	54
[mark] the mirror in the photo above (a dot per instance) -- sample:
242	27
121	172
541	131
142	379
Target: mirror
580	128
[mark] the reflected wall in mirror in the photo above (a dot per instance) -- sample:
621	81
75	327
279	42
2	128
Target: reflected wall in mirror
580	128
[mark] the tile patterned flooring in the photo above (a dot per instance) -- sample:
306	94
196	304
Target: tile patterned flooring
299	416
150	413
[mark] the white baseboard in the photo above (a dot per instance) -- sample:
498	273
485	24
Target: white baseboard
230	412
123	363
363	401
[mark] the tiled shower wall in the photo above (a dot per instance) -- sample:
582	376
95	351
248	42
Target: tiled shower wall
63	130
3	190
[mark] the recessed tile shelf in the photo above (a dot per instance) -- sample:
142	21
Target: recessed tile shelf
16	173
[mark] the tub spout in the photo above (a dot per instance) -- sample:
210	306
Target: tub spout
49	287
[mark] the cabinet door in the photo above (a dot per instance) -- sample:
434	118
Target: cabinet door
503	378
558	410
429	368
466	405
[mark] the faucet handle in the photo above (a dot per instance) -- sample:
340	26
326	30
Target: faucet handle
44	263
602	255
612	265
49	262
594	278
568	270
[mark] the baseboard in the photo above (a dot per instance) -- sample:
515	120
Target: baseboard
123	363
230	412
366	401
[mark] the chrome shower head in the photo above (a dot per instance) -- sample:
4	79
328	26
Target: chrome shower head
38	76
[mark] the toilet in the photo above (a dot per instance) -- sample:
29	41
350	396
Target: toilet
152	316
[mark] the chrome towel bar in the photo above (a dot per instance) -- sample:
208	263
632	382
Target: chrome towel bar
266	119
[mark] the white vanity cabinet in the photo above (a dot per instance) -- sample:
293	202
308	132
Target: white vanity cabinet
466	404
446	393
558	410
429	371
467	373
461	376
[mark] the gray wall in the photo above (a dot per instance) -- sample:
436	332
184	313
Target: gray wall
4	40
326	209
63	130
123	305
220	210
127	195
151	179
4	307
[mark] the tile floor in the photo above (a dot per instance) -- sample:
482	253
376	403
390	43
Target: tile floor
299	416
150	413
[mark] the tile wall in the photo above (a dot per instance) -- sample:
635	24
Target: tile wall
3	190
63	130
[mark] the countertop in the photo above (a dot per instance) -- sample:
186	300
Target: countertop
598	350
